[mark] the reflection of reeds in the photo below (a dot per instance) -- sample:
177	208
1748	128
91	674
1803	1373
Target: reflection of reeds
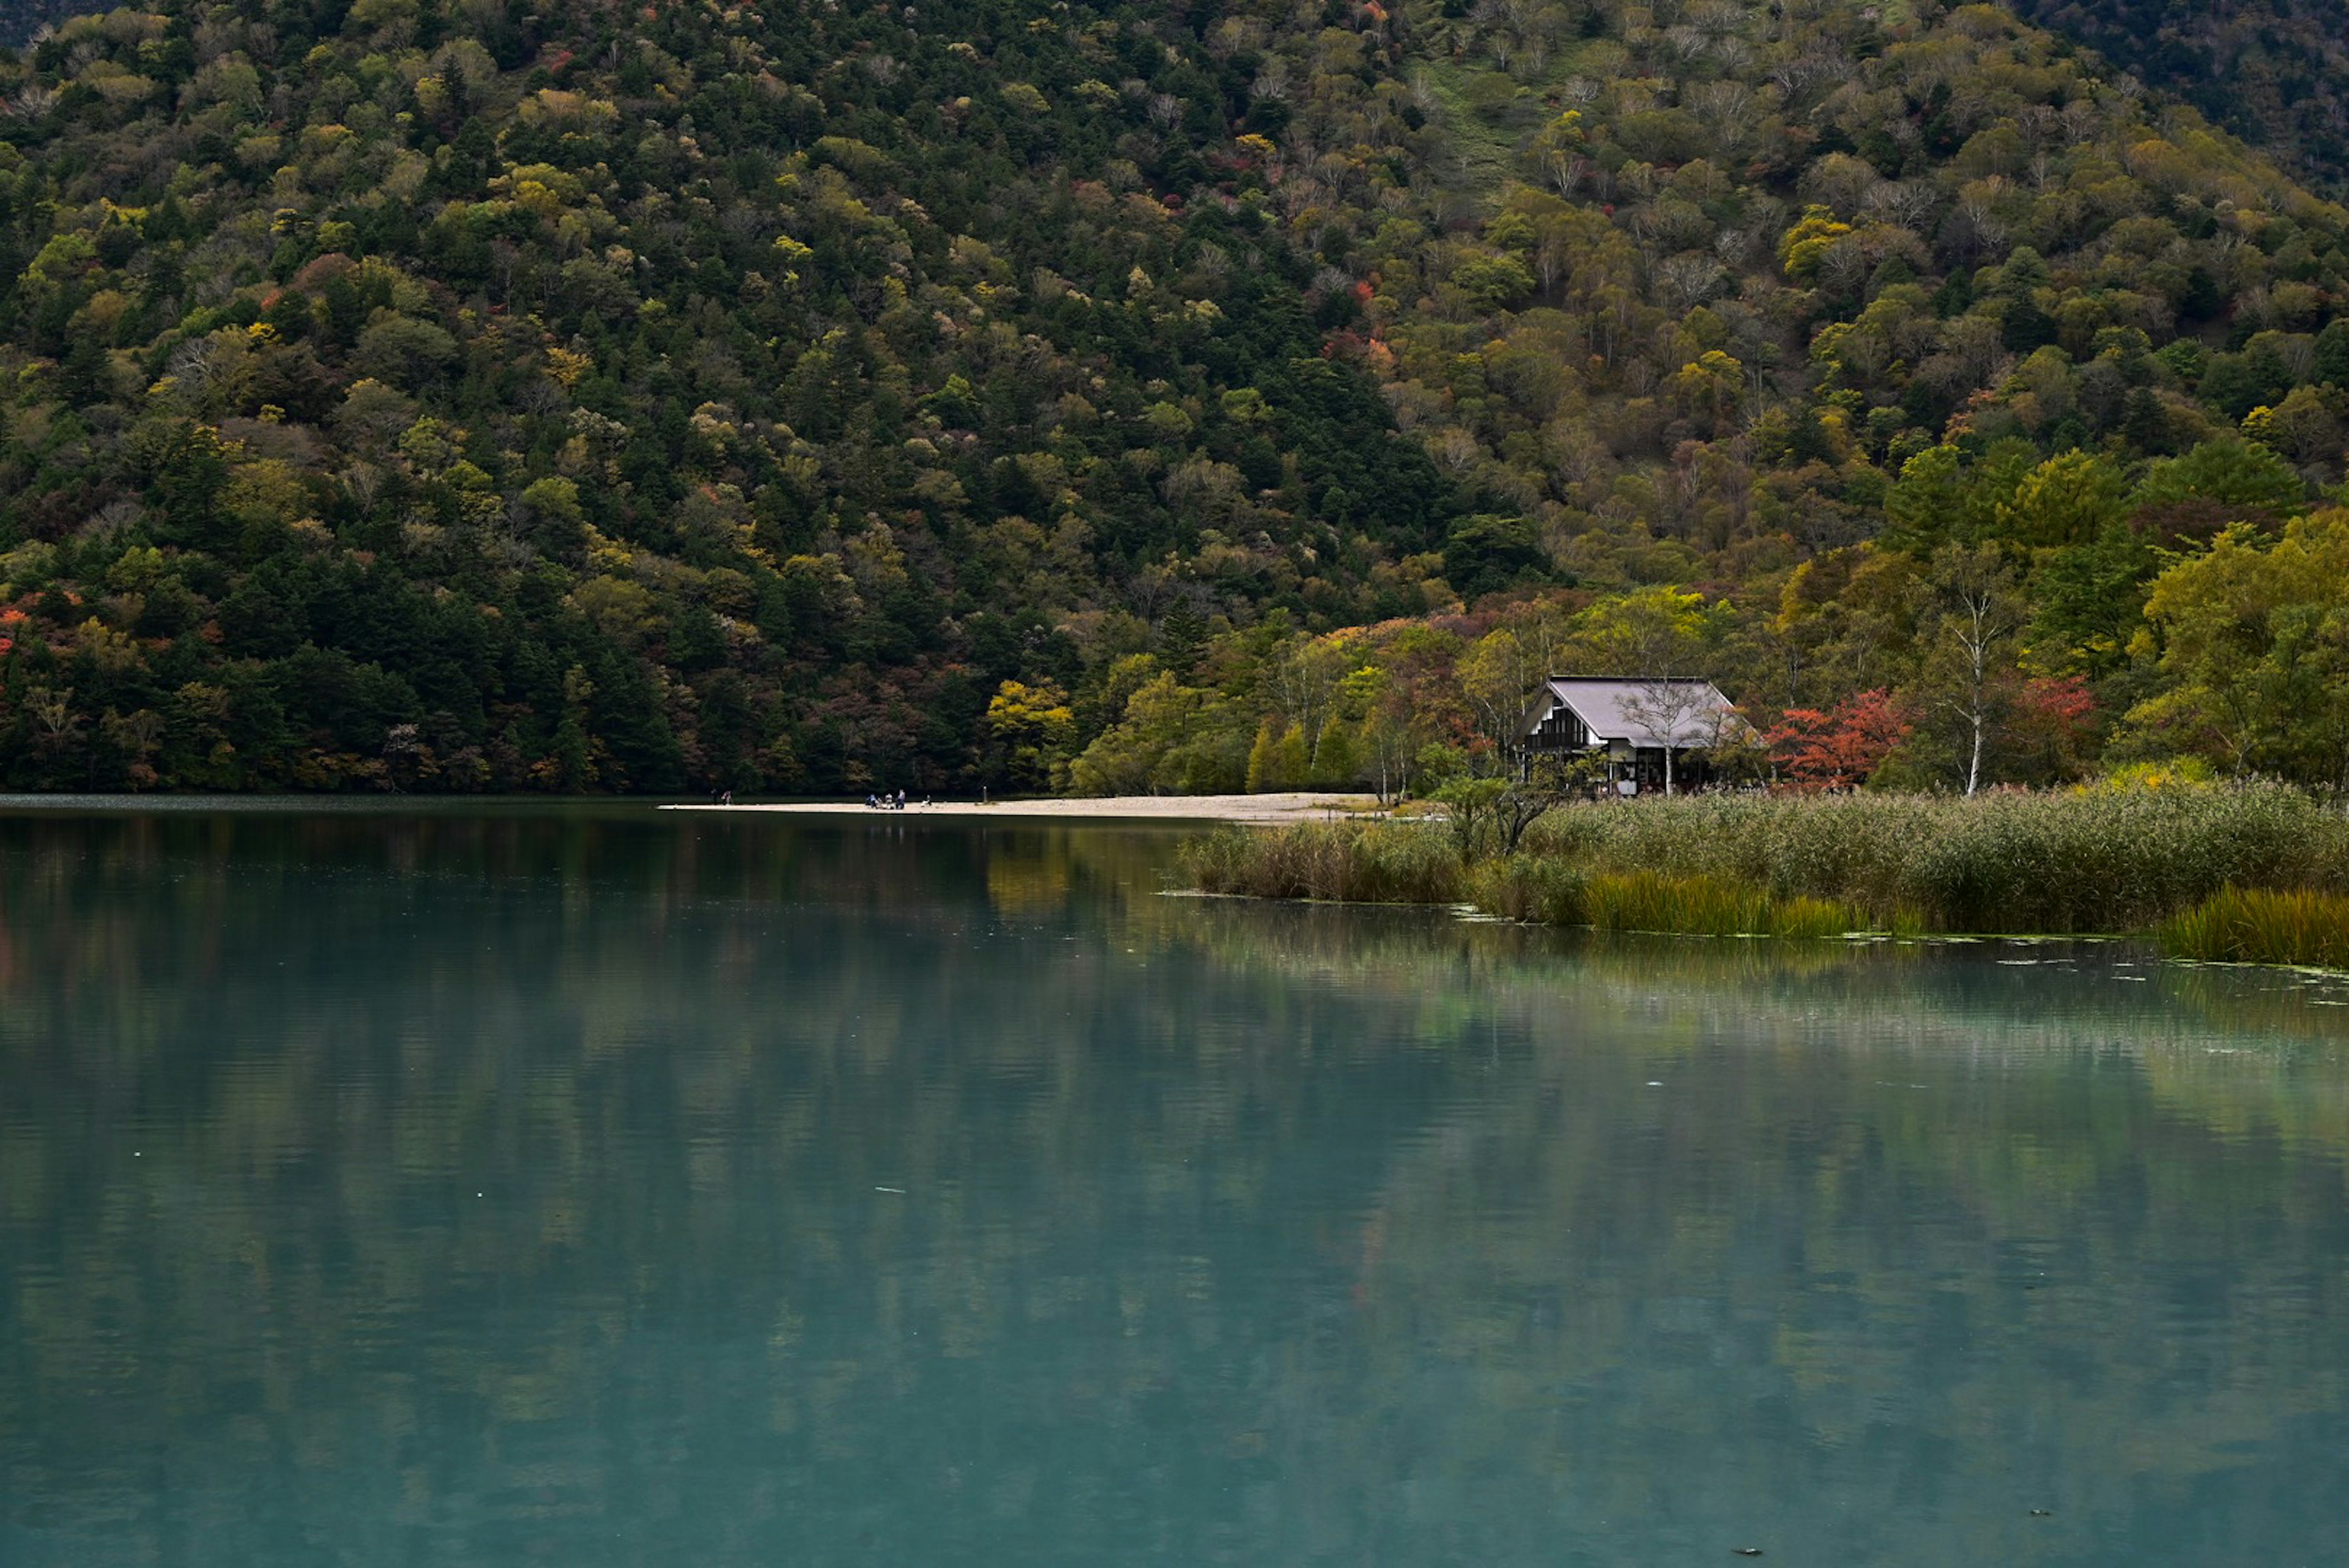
2252	925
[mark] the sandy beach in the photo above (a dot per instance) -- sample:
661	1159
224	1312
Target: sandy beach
1292	807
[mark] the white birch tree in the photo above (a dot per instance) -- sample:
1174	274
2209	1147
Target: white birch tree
1970	668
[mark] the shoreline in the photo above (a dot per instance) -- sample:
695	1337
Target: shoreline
1288	806
2257	874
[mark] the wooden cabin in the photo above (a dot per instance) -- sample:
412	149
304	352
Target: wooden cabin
1628	722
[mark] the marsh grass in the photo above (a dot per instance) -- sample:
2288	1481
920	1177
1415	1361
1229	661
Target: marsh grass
1710	906
2255	925
1397	863
1528	887
2055	863
2085	862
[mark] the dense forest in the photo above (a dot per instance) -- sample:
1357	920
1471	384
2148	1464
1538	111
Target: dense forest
489	394
2275	72
27	19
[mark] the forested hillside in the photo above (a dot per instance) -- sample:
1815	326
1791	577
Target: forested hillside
494	395
22	18
2275	72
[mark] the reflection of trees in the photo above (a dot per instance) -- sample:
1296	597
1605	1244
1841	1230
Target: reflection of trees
1212	1213
1981	1219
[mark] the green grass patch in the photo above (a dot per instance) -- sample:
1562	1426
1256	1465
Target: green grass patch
2256	924
1484	146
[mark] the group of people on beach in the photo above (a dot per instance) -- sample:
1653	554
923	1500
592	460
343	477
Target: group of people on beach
884	801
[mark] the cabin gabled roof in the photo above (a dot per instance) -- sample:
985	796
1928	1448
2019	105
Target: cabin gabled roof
1627	708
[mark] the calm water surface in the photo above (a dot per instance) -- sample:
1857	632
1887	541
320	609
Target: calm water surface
601	1187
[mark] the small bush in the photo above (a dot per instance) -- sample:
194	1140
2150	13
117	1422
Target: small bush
2249	925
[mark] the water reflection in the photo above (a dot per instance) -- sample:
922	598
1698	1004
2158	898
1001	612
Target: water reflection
599	1188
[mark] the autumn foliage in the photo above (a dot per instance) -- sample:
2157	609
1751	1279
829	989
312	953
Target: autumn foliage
441	395
1841	747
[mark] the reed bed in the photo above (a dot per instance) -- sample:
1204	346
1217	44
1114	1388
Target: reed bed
1391	863
1528	887
2090	861
2109	861
2259	924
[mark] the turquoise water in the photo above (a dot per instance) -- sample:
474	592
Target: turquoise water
595	1187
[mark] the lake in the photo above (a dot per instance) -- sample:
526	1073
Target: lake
593	1185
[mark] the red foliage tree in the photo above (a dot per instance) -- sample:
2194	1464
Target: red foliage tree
1839	749
2053	718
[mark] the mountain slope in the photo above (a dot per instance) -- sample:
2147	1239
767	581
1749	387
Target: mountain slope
24	18
641	403
501	395
1738	249
2275	72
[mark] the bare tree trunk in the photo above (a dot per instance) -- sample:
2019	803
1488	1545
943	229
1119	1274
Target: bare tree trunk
1980	630
1978	668
1667	707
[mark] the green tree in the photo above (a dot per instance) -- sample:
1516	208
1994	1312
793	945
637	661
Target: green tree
2253	640
2251	482
1171	739
1033	726
1969	674
1337	753
2069	500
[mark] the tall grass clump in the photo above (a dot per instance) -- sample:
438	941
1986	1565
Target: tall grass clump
1708	907
2086	861
2105	860
1376	862
2256	924
1548	889
2117	860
